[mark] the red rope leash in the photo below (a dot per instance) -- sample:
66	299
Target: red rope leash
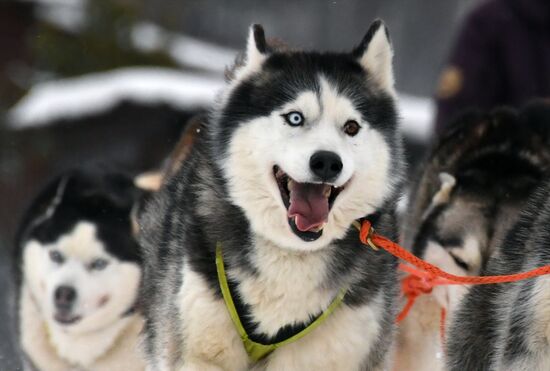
427	276
416	283
442	320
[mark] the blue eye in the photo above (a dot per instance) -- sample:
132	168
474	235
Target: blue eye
56	257
294	118
98	264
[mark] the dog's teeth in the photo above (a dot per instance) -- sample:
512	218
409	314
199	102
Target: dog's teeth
290	184
319	228
327	191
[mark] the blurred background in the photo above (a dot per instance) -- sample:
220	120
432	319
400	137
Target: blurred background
115	81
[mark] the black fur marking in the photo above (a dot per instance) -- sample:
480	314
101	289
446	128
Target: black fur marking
105	200
448	240
259	38
428	230
251	327
285	75
360	49
516	343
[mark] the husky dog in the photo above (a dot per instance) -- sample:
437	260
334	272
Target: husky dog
506	326
79	276
301	145
475	182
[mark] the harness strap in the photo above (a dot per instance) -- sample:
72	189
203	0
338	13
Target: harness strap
255	350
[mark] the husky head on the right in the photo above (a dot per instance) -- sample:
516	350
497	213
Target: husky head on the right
309	140
507	326
476	180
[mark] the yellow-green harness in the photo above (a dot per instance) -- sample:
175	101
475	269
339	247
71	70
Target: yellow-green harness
255	350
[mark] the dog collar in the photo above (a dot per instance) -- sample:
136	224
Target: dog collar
256	351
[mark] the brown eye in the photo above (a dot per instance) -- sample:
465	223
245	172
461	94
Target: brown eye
351	128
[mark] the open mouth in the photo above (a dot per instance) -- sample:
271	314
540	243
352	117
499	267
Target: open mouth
307	204
66	319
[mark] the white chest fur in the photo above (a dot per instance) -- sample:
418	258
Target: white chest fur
85	349
287	289
52	349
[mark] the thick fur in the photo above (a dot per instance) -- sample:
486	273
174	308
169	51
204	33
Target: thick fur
510	322
226	192
77	234
477	179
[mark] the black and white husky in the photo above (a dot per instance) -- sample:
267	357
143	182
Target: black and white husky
507	326
476	181
79	275
301	145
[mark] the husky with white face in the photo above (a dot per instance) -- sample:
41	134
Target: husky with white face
80	271
301	145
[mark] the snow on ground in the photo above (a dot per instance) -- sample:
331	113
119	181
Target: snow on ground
185	50
417	116
68	15
98	92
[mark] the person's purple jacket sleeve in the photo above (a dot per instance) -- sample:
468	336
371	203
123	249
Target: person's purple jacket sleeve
501	57
471	78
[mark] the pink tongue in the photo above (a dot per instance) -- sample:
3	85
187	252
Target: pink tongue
309	205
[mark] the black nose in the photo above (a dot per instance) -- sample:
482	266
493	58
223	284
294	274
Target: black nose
64	297
326	165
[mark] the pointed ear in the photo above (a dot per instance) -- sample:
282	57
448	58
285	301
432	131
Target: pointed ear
443	195
256	52
150	181
375	54
447	183
256	45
